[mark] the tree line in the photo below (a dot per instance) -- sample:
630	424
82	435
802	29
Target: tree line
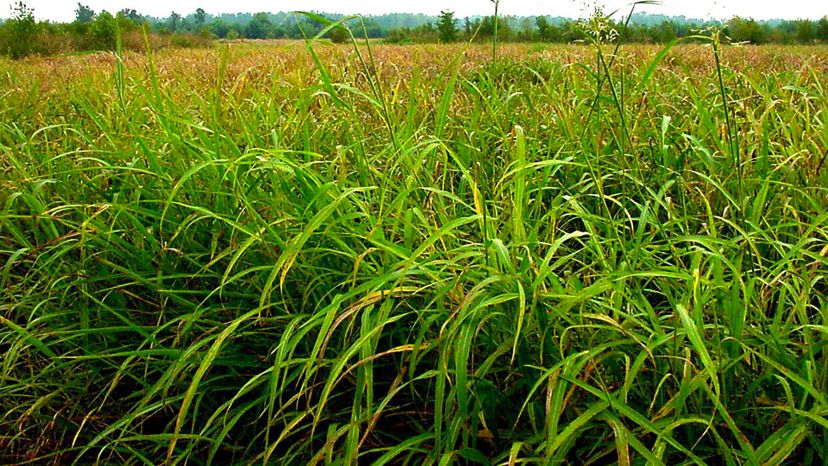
642	28
22	35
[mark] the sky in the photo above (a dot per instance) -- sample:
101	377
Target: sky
63	10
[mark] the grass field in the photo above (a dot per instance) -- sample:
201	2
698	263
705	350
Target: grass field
263	254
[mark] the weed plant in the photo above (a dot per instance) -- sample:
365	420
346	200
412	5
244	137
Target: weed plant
275	254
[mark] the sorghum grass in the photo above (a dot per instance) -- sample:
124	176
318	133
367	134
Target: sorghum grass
268	254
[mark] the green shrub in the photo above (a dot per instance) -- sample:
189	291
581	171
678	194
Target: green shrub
19	36
103	31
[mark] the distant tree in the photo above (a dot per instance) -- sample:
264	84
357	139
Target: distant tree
543	27
570	32
469	26
21	32
219	28
446	26
665	32
526	30
126	22
490	25
200	17
22	13
84	14
745	30
103	31
373	28
173	22
487	26
805	32
822	29
786	32
259	27
131	14
184	26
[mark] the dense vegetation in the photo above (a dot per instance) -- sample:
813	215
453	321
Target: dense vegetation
261	254
642	28
22	35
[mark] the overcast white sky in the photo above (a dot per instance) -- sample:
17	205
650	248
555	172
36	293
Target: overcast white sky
63	10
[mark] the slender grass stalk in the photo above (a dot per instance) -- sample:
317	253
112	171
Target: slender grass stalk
733	144
496	24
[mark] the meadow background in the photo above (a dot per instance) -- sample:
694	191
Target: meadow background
22	34
274	253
